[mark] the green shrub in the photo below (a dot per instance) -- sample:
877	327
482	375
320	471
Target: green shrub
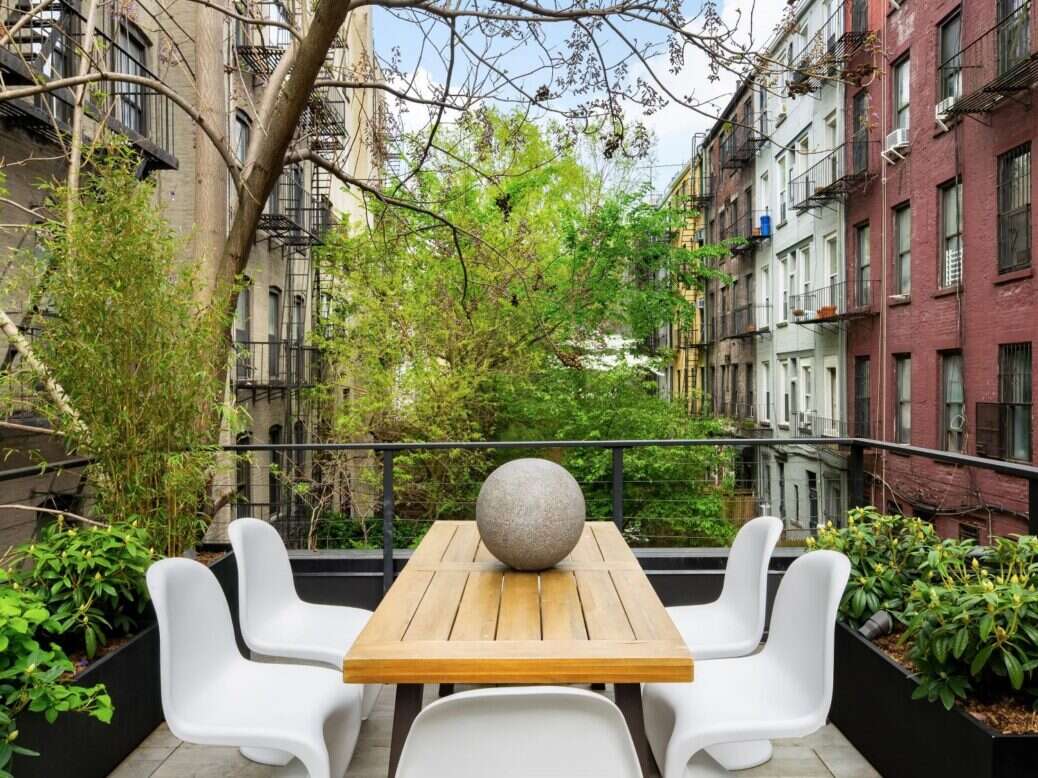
91	579
974	627
887	553
33	677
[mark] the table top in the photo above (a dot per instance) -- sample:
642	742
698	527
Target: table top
457	615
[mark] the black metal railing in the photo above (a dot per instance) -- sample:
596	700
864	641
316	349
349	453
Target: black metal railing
1002	63
813	425
748	482
49	47
266	364
824	55
837	301
745	230
744	321
740	146
703	192
292	216
837	174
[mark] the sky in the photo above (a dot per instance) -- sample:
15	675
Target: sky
673	126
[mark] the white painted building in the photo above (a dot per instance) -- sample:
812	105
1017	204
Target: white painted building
801	180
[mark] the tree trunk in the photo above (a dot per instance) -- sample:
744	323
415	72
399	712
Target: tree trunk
210	204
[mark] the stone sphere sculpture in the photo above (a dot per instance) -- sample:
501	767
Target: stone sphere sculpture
530	513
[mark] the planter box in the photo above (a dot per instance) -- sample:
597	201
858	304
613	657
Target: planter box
77	745
874	709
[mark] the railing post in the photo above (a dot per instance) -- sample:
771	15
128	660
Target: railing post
618	487
856	476
387	520
1032	506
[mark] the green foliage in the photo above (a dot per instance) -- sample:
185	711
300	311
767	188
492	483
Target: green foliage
974	627
887	553
515	341
128	339
91	579
32	677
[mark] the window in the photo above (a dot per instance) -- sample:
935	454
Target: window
969	532
277	469
805	269
784	376
833	501
1014	209
903	249
832	390
765	374
274	331
782	489
243	331
860	128
1014	44
765	278
794	394
812	499
903	399
1014	393
952	399
791	282
782	189
242	135
862	397
951	235
783	290
130	58
832	259
765	193
864	286
902	93
950	58
807	387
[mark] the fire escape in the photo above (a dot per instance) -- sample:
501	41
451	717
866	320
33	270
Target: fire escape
826	55
47	47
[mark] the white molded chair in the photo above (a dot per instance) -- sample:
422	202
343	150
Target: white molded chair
274	621
212	695
732	625
519	732
735	706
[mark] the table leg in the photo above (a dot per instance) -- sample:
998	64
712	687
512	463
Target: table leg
629	701
406	708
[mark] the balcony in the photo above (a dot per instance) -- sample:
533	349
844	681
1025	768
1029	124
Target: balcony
998	67
275	364
292	216
806	424
831	179
826	54
740	146
746	231
703	194
48	46
745	321
836	302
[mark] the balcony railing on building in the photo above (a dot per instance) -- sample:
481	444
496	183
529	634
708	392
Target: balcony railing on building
745	321
740	146
825	55
746	230
843	170
999	66
275	364
48	47
292	216
842	300
702	192
810	424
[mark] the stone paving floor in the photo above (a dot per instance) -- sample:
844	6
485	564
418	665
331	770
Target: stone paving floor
825	754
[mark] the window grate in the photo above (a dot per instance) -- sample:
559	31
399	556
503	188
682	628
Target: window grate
1014	209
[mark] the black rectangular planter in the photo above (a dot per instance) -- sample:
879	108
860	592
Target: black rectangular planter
902	737
77	746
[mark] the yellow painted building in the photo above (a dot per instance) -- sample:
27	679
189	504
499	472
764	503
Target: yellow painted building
684	380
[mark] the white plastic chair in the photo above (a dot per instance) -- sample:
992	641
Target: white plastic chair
732	625
212	695
518	732
274	621
735	706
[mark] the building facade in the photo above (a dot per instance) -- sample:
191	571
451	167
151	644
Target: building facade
195	49
945	235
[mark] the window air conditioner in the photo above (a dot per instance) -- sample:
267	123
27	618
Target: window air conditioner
942	112
896	142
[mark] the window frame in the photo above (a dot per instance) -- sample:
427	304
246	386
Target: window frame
1011	209
903	398
902	249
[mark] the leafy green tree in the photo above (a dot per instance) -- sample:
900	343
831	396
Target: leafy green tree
500	325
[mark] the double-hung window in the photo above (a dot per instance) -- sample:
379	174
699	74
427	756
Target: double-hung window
903	249
1014	394
1014	209
903	399
902	93
952	398
950	58
950	248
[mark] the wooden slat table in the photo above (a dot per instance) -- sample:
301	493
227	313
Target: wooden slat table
457	615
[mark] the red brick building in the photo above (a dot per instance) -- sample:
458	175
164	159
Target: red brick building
948	228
